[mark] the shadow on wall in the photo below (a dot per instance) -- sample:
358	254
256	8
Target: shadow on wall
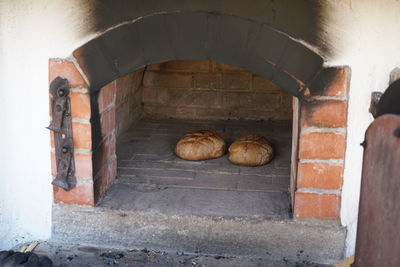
389	102
254	37
301	19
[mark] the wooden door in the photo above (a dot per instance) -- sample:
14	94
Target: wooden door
378	233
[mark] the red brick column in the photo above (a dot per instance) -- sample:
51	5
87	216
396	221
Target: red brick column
322	143
104	139
93	126
82	194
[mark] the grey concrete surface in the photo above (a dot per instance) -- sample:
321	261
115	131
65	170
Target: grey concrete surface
197	202
75	255
211	235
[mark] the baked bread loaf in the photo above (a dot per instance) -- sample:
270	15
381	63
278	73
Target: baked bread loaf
252	150
200	145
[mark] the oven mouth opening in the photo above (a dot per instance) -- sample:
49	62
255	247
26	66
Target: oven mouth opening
157	105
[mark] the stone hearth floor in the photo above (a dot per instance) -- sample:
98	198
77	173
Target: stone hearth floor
152	177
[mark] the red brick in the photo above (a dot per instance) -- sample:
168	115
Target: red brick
81	194
112	144
324	113
319	175
102	153
149	94
186	65
319	145
287	101
206	80
82	135
227	68
260	83
236	81
168	80
319	206
107	120
53	164
106	97
194	98
339	83
105	179
66	69
80	105
178	112
50	105
126	86
52	139
156	95
153	67
83	165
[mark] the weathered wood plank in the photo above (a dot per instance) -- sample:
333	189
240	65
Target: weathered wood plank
378	234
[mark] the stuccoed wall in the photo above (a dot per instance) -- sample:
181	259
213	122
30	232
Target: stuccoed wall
364	35
30	33
360	33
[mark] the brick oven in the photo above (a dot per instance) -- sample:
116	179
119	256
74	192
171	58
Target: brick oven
138	87
175	89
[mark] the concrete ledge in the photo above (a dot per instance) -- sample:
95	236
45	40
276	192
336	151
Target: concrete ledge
293	240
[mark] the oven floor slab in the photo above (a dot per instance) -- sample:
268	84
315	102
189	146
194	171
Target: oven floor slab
197	202
151	177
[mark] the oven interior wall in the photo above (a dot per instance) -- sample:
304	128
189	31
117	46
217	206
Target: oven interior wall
210	90
197	90
128	100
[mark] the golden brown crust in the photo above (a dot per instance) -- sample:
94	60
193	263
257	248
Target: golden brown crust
200	145
252	150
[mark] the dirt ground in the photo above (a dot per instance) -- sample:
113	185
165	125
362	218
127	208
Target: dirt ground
75	255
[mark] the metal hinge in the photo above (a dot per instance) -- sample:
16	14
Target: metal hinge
61	125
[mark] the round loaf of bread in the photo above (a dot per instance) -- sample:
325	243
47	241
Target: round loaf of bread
200	145
252	150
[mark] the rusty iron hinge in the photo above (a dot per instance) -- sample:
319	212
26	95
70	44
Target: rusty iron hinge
61	125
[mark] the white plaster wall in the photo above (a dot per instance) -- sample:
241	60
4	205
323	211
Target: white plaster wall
361	33
30	33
